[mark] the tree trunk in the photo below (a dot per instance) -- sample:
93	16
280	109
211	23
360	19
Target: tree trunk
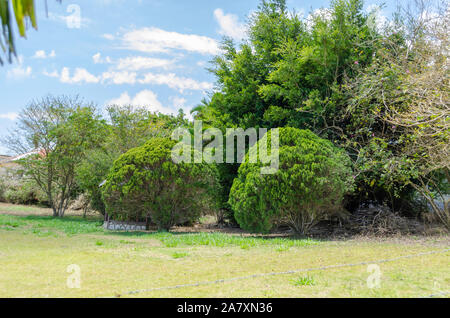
85	208
443	215
147	223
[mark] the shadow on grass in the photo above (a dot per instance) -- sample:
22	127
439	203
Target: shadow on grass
242	239
181	236
242	234
70	225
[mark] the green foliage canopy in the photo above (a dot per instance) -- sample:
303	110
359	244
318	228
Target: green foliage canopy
127	127
57	133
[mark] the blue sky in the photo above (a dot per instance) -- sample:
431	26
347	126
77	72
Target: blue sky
151	52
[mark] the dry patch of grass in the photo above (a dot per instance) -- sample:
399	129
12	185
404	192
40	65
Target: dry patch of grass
6	208
23	210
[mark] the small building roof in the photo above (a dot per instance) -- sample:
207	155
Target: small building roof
9	160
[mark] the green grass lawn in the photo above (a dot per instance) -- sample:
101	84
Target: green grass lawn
36	250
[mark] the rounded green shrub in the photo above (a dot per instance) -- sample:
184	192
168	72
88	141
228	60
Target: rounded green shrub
309	185
145	183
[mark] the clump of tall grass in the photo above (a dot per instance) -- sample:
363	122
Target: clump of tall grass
222	240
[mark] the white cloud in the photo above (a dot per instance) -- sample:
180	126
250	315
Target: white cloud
322	13
377	20
175	82
429	18
140	63
171	80
122	73
80	75
20	71
179	102
10	116
119	77
230	25
41	54
133	63
97	58
108	36
51	74
154	40
145	98
123	100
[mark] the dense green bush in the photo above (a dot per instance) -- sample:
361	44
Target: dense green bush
145	183
288	71
128	127
309	186
90	174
